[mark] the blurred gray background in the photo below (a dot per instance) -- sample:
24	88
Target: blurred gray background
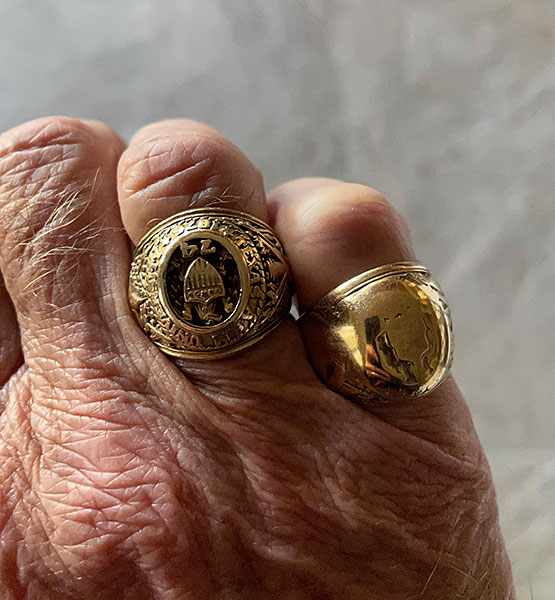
447	107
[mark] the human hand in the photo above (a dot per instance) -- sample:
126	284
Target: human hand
129	475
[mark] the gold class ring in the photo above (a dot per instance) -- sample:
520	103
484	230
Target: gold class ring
209	282
383	333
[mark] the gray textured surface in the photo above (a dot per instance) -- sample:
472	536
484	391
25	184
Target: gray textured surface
446	107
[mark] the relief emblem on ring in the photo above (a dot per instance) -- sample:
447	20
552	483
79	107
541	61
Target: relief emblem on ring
202	283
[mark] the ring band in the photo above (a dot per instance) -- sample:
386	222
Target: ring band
384	332
209	282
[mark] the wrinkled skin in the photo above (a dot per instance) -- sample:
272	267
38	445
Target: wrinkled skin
127	475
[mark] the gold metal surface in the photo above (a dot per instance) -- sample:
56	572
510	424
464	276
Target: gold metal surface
384	332
209	282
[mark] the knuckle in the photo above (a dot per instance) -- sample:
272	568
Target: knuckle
49	169
42	132
42	156
191	166
353	212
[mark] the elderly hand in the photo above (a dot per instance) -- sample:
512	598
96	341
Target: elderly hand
128	475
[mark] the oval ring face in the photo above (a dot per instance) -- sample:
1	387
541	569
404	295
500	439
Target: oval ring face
208	282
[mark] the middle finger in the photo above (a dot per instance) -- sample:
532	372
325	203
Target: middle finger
175	165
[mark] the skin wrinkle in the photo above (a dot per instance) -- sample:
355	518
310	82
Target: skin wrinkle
34	516
142	167
65	258
37	180
59	221
149	173
172	178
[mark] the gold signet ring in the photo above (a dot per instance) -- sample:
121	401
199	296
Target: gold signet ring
383	333
209	282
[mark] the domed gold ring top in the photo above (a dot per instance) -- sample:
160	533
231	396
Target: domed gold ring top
385	332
